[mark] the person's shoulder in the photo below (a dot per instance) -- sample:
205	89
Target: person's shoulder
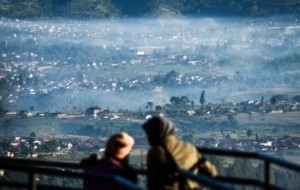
176	145
173	142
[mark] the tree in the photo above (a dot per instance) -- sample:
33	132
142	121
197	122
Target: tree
228	136
150	105
158	108
92	8
32	135
273	101
31	108
174	100
184	100
262	100
170	77
26	8
202	98
281	97
249	133
157	79
31	138
2	112
296	98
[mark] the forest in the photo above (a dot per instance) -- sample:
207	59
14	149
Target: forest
143	8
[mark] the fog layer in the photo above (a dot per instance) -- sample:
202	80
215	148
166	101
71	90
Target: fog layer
67	64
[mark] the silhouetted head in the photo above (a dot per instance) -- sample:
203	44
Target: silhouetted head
157	129
119	145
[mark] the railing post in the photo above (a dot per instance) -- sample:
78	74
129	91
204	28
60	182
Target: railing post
267	174
31	181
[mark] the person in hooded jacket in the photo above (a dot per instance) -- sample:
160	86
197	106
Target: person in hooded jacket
161	169
114	162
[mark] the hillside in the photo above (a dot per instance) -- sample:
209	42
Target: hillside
143	8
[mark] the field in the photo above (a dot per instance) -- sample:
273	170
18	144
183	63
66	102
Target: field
274	124
142	69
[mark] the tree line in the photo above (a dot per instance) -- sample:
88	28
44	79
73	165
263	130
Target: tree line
130	8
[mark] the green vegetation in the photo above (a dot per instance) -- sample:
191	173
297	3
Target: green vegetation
202	98
2	112
124	8
249	133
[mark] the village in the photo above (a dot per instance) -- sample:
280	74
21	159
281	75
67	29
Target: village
37	80
33	147
38	71
114	78
221	122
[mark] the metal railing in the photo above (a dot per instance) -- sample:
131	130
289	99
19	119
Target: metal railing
64	169
268	160
34	167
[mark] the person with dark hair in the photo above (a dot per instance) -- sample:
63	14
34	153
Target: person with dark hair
167	154
114	162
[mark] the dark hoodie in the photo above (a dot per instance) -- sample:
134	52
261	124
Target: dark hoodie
161	174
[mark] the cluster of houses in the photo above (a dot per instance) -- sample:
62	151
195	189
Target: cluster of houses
39	147
283	144
48	146
32	78
251	106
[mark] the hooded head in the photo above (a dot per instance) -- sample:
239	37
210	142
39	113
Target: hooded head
157	129
119	145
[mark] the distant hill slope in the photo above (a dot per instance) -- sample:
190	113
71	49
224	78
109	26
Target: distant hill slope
145	8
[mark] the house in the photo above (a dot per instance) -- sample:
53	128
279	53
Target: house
266	144
277	111
191	112
70	146
92	111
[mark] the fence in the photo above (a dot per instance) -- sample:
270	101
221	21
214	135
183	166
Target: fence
35	167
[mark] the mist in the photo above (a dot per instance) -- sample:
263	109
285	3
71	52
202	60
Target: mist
243	58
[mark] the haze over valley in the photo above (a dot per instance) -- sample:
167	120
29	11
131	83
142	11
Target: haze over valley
56	65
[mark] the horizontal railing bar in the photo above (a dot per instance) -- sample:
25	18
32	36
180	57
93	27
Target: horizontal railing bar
127	183
226	179
205	180
24	161
280	162
243	181
117	179
40	170
253	155
82	175
231	153
15	184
